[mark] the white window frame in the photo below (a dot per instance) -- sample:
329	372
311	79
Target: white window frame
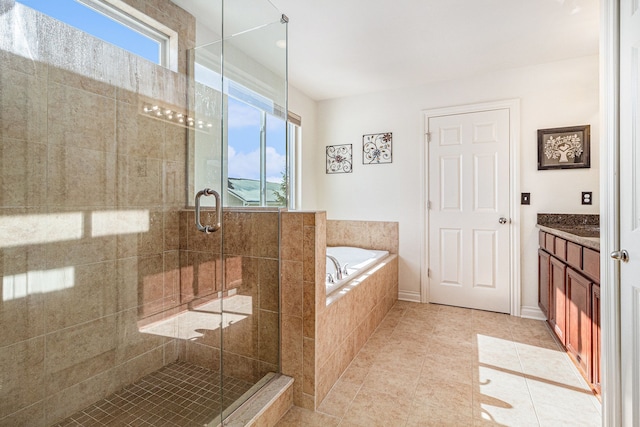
294	160
138	21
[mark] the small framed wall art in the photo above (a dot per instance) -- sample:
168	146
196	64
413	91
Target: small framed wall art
377	148
564	148
339	158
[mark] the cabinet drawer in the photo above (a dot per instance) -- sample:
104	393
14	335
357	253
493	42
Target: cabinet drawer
542	239
574	255
591	264
560	248
549	242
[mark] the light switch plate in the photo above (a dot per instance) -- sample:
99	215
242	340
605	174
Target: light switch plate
587	198
525	198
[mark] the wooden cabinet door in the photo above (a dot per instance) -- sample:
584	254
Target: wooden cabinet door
578	323
595	337
544	283
557	300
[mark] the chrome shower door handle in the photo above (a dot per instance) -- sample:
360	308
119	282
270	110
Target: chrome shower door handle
208	228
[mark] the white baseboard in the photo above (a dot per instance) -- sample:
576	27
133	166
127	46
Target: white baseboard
410	296
532	313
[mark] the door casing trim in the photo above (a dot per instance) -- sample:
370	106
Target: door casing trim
513	105
610	369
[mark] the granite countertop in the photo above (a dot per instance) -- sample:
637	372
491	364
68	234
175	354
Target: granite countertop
581	229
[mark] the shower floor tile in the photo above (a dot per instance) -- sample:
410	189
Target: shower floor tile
180	394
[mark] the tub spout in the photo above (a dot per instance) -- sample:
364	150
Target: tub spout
336	264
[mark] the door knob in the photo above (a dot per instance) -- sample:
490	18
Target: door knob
621	255
503	220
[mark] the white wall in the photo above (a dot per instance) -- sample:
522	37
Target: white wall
307	163
552	95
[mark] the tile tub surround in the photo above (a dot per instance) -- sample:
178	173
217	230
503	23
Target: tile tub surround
319	341
346	324
378	235
86	170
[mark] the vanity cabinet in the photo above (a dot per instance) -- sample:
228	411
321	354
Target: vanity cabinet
595	337
591	264
544	283
569	296
558	300
578	314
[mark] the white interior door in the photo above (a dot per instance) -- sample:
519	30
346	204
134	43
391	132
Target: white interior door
469	262
630	210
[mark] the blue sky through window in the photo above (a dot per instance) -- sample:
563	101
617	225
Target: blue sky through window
244	143
98	25
243	132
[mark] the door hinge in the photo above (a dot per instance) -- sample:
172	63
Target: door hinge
428	137
428	272
428	204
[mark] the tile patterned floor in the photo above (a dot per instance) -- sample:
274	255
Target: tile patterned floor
434	365
180	394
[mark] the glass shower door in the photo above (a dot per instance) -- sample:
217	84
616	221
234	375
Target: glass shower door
255	92
117	308
241	79
104	277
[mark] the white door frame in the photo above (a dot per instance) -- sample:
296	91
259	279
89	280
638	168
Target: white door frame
513	105
610	212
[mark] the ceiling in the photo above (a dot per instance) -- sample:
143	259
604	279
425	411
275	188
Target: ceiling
346	47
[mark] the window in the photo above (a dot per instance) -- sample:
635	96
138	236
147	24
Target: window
256	156
139	34
260	151
259	143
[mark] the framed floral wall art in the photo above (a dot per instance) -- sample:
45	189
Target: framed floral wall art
339	158
564	148
377	148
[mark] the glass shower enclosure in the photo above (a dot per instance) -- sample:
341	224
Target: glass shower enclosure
139	235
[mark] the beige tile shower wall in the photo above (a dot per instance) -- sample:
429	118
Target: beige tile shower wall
377	235
89	191
249	244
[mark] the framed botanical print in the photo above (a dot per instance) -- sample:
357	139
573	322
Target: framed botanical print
564	148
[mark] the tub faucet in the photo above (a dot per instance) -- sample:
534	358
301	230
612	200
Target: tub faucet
336	264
